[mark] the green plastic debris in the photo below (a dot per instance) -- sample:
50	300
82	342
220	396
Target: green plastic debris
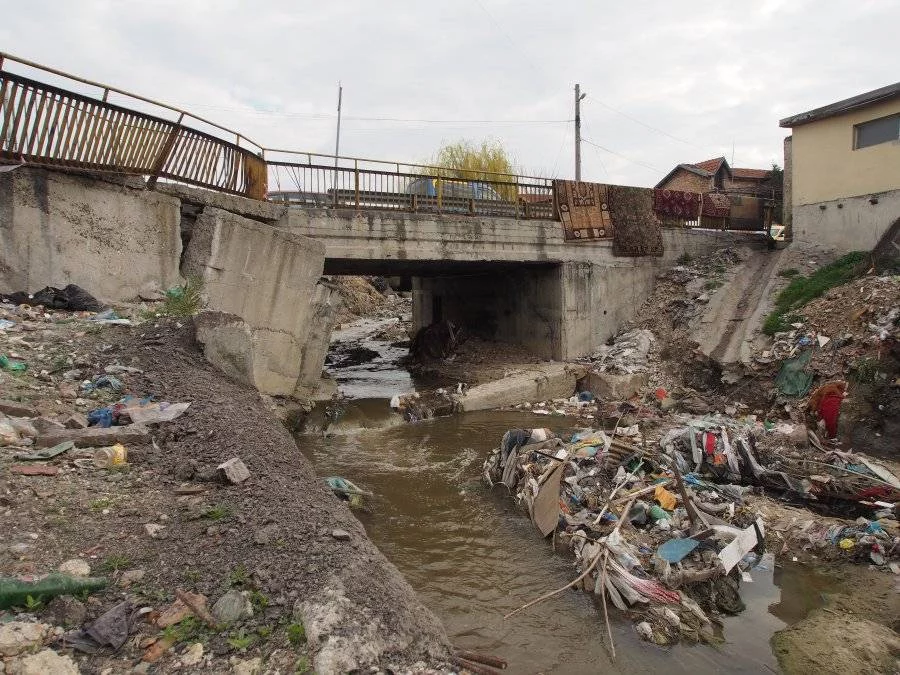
15	592
792	380
656	512
46	453
16	366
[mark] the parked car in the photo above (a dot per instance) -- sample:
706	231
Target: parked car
453	189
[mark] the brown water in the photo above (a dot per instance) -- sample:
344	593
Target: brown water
473	556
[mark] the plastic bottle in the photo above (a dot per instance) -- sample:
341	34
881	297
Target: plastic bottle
15	592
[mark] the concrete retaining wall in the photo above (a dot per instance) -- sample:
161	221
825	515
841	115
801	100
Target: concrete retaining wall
57	228
851	224
267	279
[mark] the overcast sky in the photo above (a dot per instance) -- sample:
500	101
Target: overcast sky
667	82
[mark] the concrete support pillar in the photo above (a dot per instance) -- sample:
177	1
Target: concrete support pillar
787	217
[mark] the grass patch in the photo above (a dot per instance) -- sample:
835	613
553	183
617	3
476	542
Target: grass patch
712	284
217	512
302	665
803	289
182	301
114	563
190	629
259	601
864	371
102	503
296	634
241	640
789	272
238	576
685	259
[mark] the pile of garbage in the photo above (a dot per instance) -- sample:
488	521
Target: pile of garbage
668	531
627	355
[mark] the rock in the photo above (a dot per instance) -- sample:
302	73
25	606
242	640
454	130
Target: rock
193	655
34	470
45	662
17	409
233	606
233	471
67	390
612	387
67	611
131	577
341	535
47	425
75	567
76	421
97	437
265	535
694	405
141	669
799	436
703	297
155	530
19	636
247	666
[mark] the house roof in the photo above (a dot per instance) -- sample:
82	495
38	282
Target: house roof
875	96
706	168
711	165
758	174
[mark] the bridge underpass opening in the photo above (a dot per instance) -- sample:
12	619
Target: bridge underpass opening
513	303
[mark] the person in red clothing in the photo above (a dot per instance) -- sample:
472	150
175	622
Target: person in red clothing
825	402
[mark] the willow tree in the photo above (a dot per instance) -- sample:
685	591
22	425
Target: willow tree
488	162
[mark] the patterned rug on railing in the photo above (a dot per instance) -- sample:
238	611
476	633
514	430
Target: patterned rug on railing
583	210
636	229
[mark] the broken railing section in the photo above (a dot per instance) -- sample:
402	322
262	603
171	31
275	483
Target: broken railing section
668	531
59	128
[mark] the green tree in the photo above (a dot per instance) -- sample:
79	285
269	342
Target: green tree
489	162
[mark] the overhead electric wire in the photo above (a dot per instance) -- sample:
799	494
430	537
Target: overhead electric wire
644	124
618	154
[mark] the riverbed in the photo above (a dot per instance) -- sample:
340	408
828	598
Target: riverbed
473	556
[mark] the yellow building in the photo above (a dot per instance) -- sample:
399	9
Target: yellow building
842	171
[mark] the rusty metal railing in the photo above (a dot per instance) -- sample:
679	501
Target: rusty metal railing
55	127
311	179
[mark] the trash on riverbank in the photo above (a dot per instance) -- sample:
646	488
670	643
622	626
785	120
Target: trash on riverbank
669	531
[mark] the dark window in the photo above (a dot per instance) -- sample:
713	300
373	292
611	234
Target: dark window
882	130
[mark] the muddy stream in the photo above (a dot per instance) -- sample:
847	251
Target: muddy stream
473	556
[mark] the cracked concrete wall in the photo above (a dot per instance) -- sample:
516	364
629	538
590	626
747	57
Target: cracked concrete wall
260	284
114	241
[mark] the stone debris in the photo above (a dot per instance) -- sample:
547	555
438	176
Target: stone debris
17	637
233	471
628	354
341	535
45	662
232	607
75	567
155	530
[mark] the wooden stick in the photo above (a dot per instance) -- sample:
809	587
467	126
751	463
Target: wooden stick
199	611
558	590
642	491
615	490
693	516
476	668
612	645
486	659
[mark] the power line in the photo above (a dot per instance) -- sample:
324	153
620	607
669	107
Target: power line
644	124
330	116
617	154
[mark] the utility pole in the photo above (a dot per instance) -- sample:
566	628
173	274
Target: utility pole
337	138
578	97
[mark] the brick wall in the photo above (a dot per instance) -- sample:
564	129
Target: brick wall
688	181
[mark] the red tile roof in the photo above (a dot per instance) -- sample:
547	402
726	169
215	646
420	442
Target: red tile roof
759	174
711	165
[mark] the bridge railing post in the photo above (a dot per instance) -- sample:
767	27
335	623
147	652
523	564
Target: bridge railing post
356	186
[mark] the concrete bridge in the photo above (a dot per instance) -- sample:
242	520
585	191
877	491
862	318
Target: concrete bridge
504	279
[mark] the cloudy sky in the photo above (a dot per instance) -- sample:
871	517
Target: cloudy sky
667	82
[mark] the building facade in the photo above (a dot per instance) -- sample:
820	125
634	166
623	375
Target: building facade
844	164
